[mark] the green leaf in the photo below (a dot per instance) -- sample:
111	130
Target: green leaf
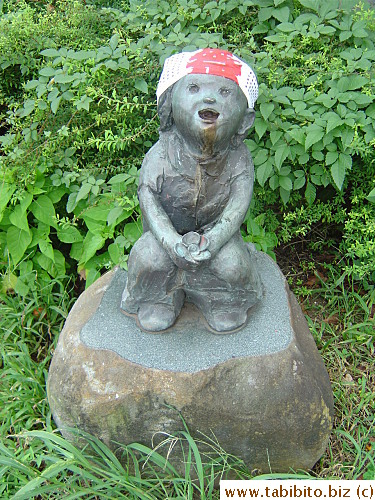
115	252
370	111
260	157
333	121
55	104
297	134
326	100
331	157
91	244
17	240
111	64
266	109
263	172
43	210
285	182
285	195
123	62
265	14
95	226
47	249
114	214
286	27
98	213
118	178
303	159
352	82
310	193
141	85
275	136
72	202
28	107
280	155
54	268
92	274
327	30
274	182
114	41
47	71
83	192
64	78
69	234
84	103
132	232
6	192
310	4
31	84
346	161
371	196
281	14
338	171
76	250
314	135
50	53
260	127
81	55
19	218
318	155
299	182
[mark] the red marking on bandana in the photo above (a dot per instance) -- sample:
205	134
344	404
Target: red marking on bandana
215	62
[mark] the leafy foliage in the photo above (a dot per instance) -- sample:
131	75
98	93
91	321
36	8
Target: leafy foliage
78	114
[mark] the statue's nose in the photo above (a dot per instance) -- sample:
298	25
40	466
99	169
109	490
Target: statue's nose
209	100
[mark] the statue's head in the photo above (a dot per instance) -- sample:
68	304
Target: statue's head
209	96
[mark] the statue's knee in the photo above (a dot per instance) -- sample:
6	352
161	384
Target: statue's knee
148	255
231	264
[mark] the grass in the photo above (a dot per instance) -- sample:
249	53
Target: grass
341	319
37	462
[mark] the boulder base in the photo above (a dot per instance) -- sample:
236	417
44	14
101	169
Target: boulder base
263	391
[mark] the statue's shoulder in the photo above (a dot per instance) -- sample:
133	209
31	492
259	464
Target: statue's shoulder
153	166
241	160
155	153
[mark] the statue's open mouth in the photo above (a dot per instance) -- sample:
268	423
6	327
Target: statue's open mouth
208	115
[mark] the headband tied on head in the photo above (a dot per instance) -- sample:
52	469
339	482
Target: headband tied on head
216	62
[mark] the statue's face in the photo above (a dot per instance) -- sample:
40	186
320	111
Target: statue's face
208	111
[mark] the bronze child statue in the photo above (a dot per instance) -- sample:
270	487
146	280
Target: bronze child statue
195	188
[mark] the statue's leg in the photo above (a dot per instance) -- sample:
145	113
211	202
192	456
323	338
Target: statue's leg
226	288
151	290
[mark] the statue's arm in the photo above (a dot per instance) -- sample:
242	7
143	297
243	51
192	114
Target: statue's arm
234	213
157	220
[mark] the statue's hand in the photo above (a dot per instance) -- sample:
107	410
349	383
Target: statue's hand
193	249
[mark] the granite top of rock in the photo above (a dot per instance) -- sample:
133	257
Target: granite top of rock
189	346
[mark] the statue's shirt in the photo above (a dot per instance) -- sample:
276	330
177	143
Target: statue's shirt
192	192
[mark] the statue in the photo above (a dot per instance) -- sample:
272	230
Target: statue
195	188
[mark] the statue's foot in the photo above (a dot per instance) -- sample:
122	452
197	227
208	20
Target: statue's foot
226	321
156	317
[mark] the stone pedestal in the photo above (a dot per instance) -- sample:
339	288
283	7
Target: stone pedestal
263	391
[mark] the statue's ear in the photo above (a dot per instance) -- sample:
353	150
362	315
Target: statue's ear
165	110
247	122
243	129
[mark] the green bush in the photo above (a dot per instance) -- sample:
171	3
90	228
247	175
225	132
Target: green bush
78	113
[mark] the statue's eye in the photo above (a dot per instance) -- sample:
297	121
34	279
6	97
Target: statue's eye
225	92
193	88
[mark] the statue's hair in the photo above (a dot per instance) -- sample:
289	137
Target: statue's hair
166	118
165	110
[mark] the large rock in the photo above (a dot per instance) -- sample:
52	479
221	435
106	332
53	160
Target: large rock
263	391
